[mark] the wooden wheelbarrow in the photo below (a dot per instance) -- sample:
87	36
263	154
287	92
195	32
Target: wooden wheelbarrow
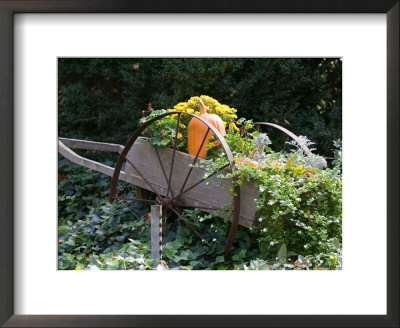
173	179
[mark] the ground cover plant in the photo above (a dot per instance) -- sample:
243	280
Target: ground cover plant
298	224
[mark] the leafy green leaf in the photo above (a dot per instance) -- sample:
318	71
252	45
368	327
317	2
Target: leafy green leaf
282	252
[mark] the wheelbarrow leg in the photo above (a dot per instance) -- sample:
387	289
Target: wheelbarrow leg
156	232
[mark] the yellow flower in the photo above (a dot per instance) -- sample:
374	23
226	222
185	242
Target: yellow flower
212	106
233	126
182	126
193	99
180	107
179	135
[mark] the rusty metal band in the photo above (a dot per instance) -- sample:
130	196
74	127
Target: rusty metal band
306	150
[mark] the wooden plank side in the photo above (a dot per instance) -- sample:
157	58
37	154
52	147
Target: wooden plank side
213	192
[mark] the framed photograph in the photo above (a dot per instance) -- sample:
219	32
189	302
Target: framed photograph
82	238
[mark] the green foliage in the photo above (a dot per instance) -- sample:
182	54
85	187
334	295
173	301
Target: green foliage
93	232
103	99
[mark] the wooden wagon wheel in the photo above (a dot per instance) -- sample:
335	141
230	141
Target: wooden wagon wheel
306	150
171	189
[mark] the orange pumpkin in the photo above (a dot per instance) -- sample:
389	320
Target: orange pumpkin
197	130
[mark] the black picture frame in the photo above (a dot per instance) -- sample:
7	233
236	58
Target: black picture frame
7	11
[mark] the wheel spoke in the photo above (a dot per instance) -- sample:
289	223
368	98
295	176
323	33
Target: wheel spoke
141	175
159	160
173	154
184	221
195	159
198	182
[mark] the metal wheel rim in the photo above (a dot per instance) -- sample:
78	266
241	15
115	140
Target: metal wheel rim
235	198
306	150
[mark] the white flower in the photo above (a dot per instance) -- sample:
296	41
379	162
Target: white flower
265	230
203	240
320	261
201	219
216	230
211	226
260	219
277	258
305	246
289	260
261	141
299	232
272	243
303	140
320	243
214	239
